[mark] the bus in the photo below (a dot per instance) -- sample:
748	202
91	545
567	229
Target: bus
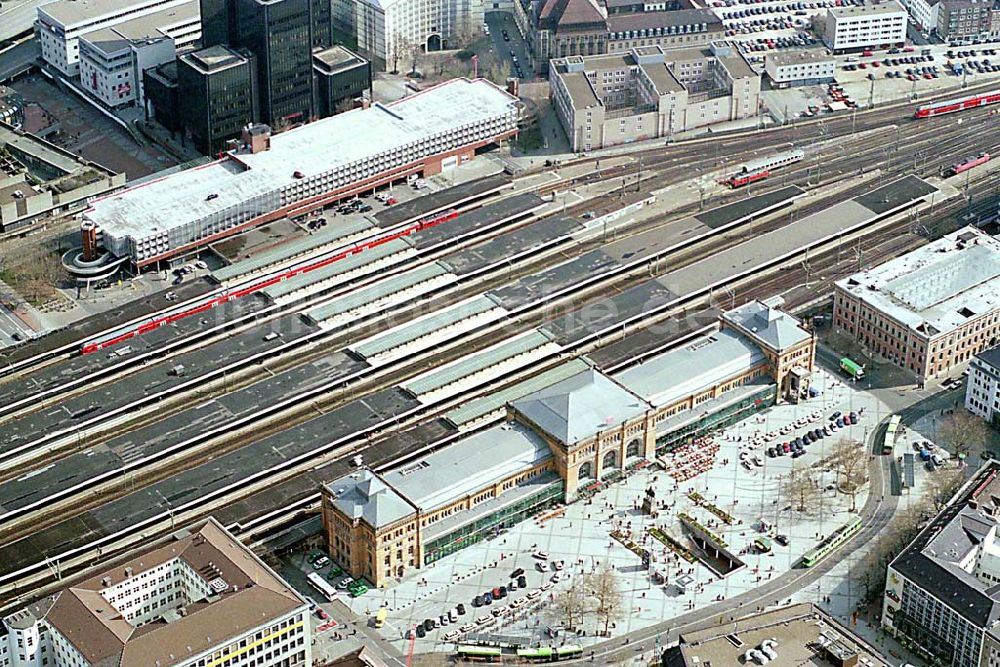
480	653
891	431
380	617
831	543
321	585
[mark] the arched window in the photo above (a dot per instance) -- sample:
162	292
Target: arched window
610	459
633	449
586	470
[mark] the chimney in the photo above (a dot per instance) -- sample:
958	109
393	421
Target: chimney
256	137
128	571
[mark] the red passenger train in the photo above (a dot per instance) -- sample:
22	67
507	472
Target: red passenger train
156	321
961	104
957	169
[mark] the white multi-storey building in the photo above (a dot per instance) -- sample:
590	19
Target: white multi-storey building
60	24
200	600
301	169
982	393
871	25
388	31
112	60
799	68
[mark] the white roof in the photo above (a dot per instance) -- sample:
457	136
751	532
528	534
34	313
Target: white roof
69	13
938	287
181	199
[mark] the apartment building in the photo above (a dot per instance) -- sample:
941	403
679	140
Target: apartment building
799	68
930	310
199	600
60	24
270	177
648	92
869	26
941	595
113	60
967	20
982	392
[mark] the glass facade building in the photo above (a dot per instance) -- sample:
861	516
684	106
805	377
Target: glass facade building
713	420
491	523
279	34
217	86
341	76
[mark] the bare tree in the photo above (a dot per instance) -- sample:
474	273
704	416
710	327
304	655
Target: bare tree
412	51
346	104
964	431
801	490
398	49
572	603
608	600
942	485
851	464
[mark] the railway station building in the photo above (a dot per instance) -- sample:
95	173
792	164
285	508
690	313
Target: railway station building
929	310
942	596
269	177
562	441
201	599
647	93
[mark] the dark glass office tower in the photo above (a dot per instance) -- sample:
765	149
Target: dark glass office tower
322	24
216	87
279	34
341	76
218	22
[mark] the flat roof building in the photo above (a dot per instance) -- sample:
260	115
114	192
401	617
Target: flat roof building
647	93
799	68
219	88
868	26
982	392
60	24
786	637
190	602
305	167
113	59
929	310
342	77
942	593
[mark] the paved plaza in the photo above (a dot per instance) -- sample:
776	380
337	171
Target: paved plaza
580	535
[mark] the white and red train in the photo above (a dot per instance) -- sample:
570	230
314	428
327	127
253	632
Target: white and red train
158	320
961	104
756	170
960	167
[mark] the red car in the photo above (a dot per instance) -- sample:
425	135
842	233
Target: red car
322	614
390	201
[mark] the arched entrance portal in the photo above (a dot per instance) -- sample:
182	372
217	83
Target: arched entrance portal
632	449
433	43
586	471
610	460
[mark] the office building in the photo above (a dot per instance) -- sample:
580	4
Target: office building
162	100
388	31
317	163
870	26
60	24
929	310
982	393
965	21
562	441
219	92
942	596
341	76
114	59
648	93
678	29
785	637
199	599
799	68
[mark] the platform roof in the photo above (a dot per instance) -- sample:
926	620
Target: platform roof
375	292
683	372
338	268
424	326
315	148
482	406
477	362
338	230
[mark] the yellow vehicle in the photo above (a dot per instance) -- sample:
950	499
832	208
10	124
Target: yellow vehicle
380	617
